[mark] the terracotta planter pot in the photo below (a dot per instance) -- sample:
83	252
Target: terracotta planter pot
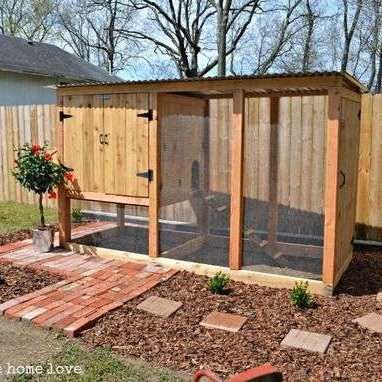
43	239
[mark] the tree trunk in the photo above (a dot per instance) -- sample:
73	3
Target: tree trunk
378	85
41	208
222	42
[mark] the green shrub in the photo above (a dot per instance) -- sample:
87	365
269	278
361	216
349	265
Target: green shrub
77	215
217	284
36	170
300	296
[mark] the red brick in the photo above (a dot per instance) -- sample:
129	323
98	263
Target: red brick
97	303
51	313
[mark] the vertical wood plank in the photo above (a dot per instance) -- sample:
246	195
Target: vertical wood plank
273	170
154	165
120	215
331	189
237	150
64	216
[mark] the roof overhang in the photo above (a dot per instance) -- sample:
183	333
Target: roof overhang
315	83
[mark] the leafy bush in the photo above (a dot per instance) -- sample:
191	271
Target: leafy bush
36	171
218	283
77	215
300	296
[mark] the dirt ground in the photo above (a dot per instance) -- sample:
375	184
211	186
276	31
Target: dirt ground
180	343
23	344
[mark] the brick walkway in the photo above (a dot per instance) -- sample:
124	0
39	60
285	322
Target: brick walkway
92	286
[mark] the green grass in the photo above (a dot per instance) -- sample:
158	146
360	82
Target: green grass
99	365
16	216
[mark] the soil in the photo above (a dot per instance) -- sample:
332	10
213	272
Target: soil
24	234
17	281
24	344
179	342
12	237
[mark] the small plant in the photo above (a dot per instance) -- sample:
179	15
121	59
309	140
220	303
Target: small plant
77	215
36	171
217	284
300	296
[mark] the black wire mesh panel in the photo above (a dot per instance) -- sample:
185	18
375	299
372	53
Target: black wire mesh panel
285	236
118	227
195	178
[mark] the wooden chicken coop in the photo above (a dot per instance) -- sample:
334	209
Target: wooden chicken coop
255	175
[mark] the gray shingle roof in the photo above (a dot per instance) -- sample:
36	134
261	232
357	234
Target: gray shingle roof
22	56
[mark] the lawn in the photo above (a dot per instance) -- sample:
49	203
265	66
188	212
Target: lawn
98	365
17	216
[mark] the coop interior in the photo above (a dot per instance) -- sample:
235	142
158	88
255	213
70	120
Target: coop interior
283	225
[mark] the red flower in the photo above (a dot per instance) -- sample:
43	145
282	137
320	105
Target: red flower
36	149
52	195
69	176
48	156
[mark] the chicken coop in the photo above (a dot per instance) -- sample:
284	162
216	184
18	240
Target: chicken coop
253	175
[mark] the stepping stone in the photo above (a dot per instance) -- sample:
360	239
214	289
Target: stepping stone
224	321
159	306
379	297
371	321
300	339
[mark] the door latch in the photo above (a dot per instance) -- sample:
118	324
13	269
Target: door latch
149	174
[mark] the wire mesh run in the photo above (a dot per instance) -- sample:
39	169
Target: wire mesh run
195	177
114	226
284	229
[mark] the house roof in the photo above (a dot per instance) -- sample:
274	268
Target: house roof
36	58
312	82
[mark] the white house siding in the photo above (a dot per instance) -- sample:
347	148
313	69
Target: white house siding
24	89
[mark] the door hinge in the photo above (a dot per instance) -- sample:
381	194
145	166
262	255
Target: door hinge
149	174
147	114
63	116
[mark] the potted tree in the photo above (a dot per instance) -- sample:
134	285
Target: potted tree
36	171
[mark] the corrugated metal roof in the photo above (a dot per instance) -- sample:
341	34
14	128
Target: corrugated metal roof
241	77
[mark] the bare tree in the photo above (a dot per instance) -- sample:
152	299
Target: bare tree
92	29
276	42
30	19
181	26
236	17
187	35
349	27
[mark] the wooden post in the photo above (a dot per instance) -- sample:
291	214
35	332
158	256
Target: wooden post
120	215
331	186
273	170
63	202
154	185
64	217
206	169
237	157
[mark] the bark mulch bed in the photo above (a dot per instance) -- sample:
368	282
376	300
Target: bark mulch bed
12	237
18	281
23	234
180	343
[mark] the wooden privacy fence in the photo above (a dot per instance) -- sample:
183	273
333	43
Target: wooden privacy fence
302	149
18	125
369	201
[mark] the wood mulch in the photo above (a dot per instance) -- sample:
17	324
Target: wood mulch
18	281
12	237
179	342
24	234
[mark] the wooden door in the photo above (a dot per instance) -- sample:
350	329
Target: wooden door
82	149
126	148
